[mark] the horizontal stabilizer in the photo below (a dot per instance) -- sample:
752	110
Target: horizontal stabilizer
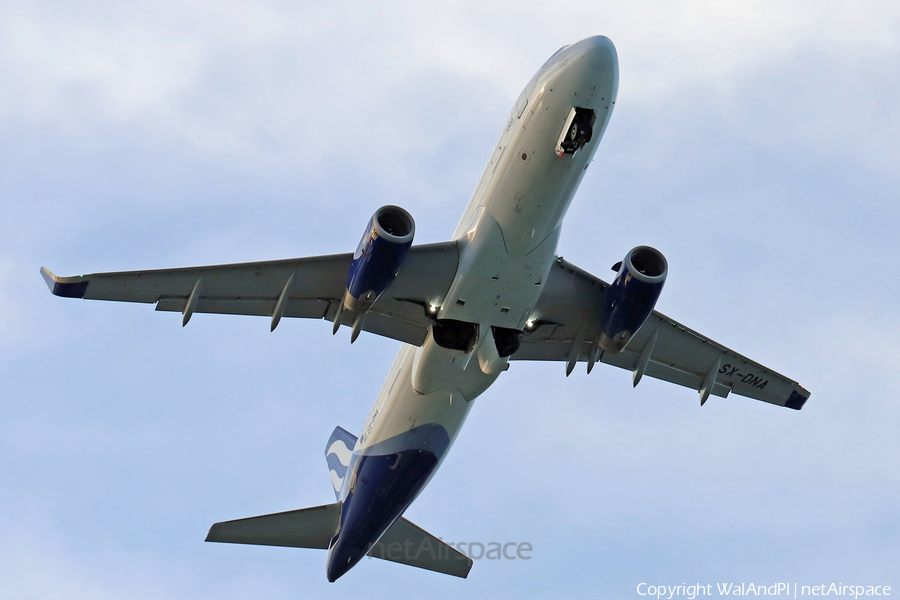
305	528
408	544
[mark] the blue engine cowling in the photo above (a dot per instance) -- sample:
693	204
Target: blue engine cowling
631	297
379	256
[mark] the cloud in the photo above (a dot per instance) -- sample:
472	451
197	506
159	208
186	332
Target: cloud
254	80
754	144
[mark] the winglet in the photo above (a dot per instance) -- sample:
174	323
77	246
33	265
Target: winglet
797	400
66	287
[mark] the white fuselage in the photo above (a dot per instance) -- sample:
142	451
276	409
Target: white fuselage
507	243
507	240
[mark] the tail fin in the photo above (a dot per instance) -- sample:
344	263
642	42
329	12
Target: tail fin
337	454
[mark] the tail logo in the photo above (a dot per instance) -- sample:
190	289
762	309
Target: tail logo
337	455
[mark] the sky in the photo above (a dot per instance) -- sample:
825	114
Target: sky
755	144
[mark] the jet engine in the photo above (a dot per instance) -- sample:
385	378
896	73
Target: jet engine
378	257
631	297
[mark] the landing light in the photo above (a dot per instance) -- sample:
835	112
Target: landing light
432	309
529	323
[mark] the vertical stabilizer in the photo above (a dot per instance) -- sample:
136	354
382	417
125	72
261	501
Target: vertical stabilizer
337	454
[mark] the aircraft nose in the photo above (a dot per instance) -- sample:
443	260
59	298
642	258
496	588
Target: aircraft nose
598	53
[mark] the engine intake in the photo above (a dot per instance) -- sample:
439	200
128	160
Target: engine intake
631	297
379	256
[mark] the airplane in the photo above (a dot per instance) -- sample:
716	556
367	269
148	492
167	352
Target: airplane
496	292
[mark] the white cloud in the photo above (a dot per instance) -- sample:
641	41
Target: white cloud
154	134
256	79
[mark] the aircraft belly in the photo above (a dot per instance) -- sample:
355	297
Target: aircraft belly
519	206
507	240
526	197
494	287
506	251
533	187
383	487
403	442
404	418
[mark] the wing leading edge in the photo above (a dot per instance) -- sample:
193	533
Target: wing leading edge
302	287
566	326
568	322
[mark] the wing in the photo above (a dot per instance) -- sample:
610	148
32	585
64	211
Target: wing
568	322
310	287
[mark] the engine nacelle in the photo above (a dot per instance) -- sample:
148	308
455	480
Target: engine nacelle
378	257
632	296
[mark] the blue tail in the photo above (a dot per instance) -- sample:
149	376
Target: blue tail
320	526
337	454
